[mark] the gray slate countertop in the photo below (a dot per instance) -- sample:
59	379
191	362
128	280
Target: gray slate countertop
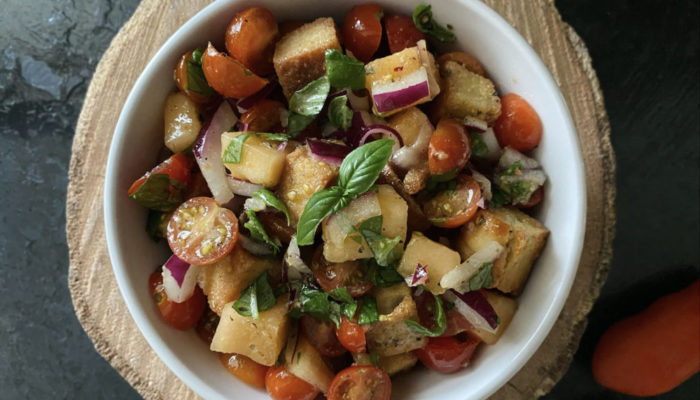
646	57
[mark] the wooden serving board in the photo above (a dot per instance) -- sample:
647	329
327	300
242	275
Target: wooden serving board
108	322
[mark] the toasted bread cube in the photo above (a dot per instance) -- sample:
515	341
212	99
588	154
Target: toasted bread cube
308	365
392	365
300	55
466	94
261	162
413	67
302	177
437	259
260	339
223	281
505	309
521	235
391	335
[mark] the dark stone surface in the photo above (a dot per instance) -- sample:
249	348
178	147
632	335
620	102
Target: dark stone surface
646	56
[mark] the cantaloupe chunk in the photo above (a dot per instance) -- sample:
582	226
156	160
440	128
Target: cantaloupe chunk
505	308
307	364
437	259
260	162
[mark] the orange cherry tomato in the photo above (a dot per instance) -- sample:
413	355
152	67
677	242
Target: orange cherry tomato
447	354
401	32
451	208
362	30
349	274
180	76
450	147
360	382
519	126
250	39
321	335
264	116
535	198
284	386
206	326
352	336
244	369
463	59
182	316
228	76
201	232
178	166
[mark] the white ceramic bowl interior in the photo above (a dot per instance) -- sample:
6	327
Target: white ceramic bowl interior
514	67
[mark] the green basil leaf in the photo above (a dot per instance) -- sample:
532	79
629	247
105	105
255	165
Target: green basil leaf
339	114
440	322
315	303
479	147
310	99
349	310
498	196
232	154
196	82
344	72
297	123
360	169
197	55
271	200
256	298
423	20
373	358
157	224
335	313
483	278
512	169
381	276
276	137
341	294
385	251
258	233
321	204
160	192
368	311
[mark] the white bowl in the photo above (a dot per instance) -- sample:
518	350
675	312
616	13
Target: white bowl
514	67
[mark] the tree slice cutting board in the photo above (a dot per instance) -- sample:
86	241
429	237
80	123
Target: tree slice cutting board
108	322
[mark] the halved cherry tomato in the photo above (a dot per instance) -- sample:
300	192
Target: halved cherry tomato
463	59
228	76
401	32
362	30
178	167
360	382
206	326
334	275
451	208
276	226
244	369
519	126
180	76
201	232
456	323
250	39
284	386
535	198
447	354
352	336
264	116
321	335
450	147
198	186
182	316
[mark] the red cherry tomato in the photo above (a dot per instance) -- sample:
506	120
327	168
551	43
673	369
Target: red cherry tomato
322	336
178	167
264	116
360	382
180	76
450	147
201	232
250	39
206	326
244	369
182	316
447	354
362	30
401	32
349	274
456	323
284	386
519	126
228	76
466	60
352	336
451	208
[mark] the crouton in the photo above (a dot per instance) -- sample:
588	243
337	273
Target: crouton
303	176
300	54
466	94
391	335
417	178
392	365
416	218
522	236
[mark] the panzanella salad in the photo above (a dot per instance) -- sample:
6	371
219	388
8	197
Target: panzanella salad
341	202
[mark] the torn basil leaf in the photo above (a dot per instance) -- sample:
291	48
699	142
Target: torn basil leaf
256	298
159	192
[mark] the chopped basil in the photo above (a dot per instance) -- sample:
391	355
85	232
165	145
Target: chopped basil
197	55
373	358
159	192
483	278
310	99
381	276
344	72
512	170
196	82
479	147
341	294
423	20
321	204
332	306
339	114
256	298
386	251
157	224
275	137
234	150
297	123
258	233
440	322
271	200
498	197
368	311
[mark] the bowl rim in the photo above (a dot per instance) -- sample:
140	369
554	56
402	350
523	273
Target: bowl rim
117	145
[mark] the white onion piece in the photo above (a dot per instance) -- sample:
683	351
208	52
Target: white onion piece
491	142
296	266
253	247
475	124
254	204
241	187
410	156
207	152
358	103
458	278
511	155
342	223
179	279
475	308
484	184
384	132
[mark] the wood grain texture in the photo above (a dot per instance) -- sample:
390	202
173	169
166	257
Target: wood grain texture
108	322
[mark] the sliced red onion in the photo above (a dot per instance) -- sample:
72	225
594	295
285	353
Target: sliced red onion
207	151
282	145
253	247
246	103
179	279
410	156
484	184
241	187
475	124
296	267
408	90
476	309
242	127
329	152
375	132
458	278
419	277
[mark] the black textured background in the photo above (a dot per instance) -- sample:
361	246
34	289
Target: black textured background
646	57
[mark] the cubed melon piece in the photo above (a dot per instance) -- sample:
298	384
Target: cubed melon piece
466	94
391	335
388	298
392	365
394	212
181	122
261	162
437	259
412	71
522	236
505	308
300	55
260	339
307	364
